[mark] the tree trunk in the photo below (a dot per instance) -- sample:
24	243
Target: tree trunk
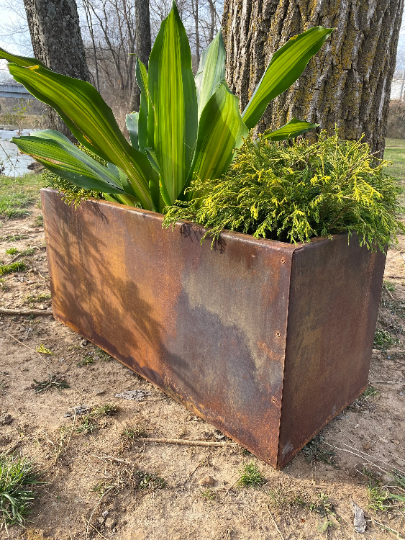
194	8
347	83
57	42
143	45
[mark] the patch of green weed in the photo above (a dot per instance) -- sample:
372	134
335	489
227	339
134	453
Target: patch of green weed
14	238
38	221
251	476
383	498
37	298
17	478
369	391
86	425
150	481
209	494
12	251
3	285
389	286
315	451
383	340
86	361
53	381
108	409
132	433
18	266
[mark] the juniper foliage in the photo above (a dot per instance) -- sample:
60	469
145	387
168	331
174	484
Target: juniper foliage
295	192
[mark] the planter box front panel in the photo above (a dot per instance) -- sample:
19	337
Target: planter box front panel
208	326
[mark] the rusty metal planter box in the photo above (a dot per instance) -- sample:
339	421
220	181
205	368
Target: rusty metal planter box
266	341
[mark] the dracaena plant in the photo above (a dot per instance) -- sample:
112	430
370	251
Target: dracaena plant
186	127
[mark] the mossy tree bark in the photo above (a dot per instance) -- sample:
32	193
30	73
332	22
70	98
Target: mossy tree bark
57	42
348	83
143	46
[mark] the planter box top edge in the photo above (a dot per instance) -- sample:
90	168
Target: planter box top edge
225	234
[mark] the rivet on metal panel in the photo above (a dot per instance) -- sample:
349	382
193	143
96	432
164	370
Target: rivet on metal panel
282	260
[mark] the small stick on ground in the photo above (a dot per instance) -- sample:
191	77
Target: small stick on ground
112	458
98	532
275	524
95	508
21	343
186	442
398	534
43	312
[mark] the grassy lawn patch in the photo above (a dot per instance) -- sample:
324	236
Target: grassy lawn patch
395	152
17	194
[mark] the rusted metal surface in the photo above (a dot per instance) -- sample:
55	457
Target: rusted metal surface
334	296
209	327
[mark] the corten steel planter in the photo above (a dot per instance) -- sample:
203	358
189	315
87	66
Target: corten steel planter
266	341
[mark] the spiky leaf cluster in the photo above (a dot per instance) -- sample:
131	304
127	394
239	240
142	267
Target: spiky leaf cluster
295	192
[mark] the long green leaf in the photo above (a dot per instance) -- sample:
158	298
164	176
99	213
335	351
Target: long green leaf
285	67
220	131
63	158
173	114
132	122
142	80
22	60
211	71
292	129
88	117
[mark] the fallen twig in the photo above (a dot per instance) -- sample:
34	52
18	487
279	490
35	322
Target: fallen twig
97	531
21	343
275	524
95	508
362	455
186	442
112	458
400	381
45	312
398	534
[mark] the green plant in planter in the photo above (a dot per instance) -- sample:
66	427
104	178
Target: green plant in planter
295	192
185	126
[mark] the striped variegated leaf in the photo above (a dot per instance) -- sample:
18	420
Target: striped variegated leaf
292	129
88	117
285	67
63	158
174	118
131	122
220	131
211	71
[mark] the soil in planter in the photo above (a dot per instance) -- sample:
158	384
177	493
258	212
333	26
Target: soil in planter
101	480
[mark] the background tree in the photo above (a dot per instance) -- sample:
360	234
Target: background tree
57	42
348	83
143	45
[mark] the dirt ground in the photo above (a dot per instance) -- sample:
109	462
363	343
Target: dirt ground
101	482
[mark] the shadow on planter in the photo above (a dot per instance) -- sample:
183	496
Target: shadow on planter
265	340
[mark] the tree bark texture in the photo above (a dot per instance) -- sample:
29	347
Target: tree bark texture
57	42
347	83
143	45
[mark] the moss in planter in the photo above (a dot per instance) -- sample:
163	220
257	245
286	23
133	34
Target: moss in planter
71	193
295	192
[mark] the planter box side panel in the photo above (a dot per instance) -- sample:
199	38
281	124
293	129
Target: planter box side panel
208	326
334	298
